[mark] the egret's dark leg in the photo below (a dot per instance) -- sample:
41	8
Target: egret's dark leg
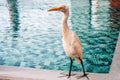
68	75
82	66
84	73
71	62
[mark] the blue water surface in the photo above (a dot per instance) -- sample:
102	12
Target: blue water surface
31	37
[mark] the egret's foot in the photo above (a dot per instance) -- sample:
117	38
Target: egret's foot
66	75
85	75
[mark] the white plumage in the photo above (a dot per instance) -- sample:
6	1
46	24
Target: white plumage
71	42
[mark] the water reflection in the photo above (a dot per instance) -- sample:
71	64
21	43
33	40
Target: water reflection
14	19
115	13
94	13
90	12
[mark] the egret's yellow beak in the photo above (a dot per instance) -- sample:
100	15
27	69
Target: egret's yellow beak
54	9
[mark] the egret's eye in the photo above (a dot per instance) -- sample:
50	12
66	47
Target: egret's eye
63	8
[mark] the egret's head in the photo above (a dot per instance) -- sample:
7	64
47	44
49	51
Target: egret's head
62	8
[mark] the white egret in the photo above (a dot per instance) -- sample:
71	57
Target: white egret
71	42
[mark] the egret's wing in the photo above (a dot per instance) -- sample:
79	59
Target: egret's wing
76	44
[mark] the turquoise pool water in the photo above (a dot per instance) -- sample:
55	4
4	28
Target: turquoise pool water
31	37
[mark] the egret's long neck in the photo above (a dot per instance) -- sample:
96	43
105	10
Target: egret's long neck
65	27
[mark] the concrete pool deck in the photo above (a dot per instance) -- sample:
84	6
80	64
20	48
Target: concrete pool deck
19	73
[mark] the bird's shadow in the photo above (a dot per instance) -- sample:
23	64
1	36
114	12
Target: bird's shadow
64	74
83	76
